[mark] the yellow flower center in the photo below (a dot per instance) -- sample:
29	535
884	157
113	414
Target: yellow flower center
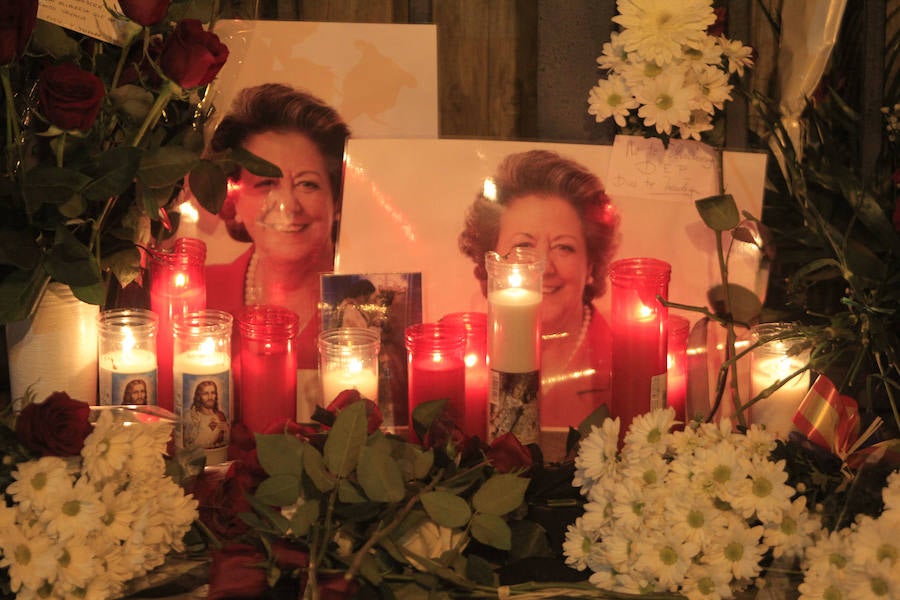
23	554
721	473
838	560
762	487
664	102
71	508
651	70
649	476
887	551
695	519
734	551
668	556
614	99
879	586
39	481
789	526
832	593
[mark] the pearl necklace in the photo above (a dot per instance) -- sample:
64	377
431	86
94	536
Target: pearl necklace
582	335
252	292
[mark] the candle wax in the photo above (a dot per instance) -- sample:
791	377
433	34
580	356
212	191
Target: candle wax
432	380
268	384
117	366
777	411
334	381
167	306
514	330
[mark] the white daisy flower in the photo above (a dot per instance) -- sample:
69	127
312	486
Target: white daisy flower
717	471
702	53
873	542
77	564
703	582
611	98
792	534
665	558
739	56
891	492
873	580
39	482
78	514
831	551
665	102
693	518
614	55
825	583
765	492
118	508
759	442
656	29
598	454
737	549
108	449
700	121
714	89
29	556
578	544
630	504
650	431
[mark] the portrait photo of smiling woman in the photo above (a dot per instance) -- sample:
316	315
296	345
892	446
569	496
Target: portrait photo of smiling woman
290	220
542	200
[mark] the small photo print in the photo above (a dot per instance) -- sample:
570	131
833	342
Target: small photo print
205	410
387	302
133	388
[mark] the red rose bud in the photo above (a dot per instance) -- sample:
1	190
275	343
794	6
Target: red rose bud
191	56
335	587
508	454
222	496
145	12
17	19
70	97
289	556
237	571
348	397
57	426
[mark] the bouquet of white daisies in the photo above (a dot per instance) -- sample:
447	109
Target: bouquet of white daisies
693	512
668	66
85	525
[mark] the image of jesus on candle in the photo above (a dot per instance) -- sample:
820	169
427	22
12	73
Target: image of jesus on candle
207	426
539	199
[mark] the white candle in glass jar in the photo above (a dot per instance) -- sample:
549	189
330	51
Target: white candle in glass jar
193	370
777	411
119	368
514	344
350	374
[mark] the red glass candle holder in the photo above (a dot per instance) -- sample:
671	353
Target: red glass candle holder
475	325
177	287
268	374
676	366
436	367
639	336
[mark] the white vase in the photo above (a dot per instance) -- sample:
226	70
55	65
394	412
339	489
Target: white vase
56	349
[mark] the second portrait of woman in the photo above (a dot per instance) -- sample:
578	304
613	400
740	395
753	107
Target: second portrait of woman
539	199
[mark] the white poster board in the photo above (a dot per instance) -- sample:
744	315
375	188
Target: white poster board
405	200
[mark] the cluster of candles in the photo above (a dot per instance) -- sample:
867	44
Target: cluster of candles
178	355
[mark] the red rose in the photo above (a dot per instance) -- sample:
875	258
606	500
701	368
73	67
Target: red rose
145	12
335	587
348	397
289	556
70	97
237	571
17	19
508	454
221	493
192	57
55	427
242	443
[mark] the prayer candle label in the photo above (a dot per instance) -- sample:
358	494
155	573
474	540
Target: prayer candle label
128	378
514	406
202	386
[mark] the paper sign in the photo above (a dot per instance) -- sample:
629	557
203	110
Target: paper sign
90	17
643	167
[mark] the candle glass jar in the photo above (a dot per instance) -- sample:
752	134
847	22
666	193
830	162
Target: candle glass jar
126	350
268	375
782	358
514	343
436	367
676	366
475	325
348	360
177	287
639	336
202	381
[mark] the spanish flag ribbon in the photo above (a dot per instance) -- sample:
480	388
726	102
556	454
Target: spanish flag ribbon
831	420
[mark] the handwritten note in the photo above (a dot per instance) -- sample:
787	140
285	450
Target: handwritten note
89	17
686	170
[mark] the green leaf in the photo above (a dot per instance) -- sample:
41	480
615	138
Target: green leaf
51	39
71	262
19	293
528	540
114	172
348	493
303	518
51	185
94	293
314	466
424	414
18	249
370	570
279	490
209	185
280	454
73	207
492	530
446	509
125	265
166	165
500	494
745	304
720	213
253	163
346	438
423	463
380	476
480	571
280	524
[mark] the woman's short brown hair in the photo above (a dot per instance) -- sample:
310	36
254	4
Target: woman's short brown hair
280	108
545	173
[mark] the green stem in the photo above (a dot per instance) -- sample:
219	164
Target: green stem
13	132
379	535
120	66
887	388
155	112
61	149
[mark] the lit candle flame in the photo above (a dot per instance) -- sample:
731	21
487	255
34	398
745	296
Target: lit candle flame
437	357
180	280
515	279
355	366
471	359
